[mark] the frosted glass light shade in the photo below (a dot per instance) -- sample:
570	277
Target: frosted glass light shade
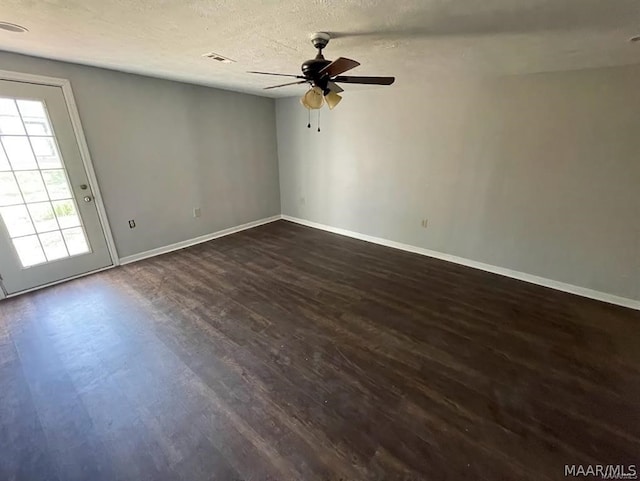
313	99
332	99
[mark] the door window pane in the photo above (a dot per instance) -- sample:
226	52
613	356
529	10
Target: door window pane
57	184
4	162
8	107
17	220
76	241
43	216
18	149
53	244
9	191
29	250
34	117
66	213
46	152
10	122
31	185
11	125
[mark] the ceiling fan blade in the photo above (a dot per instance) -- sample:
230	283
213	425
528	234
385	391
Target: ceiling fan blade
338	66
278	74
365	80
334	87
284	85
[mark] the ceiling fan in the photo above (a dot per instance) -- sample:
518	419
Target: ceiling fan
324	76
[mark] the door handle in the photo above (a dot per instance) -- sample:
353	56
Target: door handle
88	198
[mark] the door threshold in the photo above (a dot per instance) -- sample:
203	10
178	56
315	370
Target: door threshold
37	288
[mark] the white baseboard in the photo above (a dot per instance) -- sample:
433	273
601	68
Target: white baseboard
561	286
196	240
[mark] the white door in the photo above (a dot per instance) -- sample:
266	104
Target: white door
49	229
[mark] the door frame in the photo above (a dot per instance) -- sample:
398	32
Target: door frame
72	108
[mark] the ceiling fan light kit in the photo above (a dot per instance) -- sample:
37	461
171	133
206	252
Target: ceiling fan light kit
324	76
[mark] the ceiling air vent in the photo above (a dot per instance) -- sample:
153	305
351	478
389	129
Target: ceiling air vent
218	57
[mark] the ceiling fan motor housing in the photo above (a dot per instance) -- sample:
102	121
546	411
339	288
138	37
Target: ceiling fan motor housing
311	67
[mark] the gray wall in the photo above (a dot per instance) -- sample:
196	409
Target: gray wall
539	173
161	148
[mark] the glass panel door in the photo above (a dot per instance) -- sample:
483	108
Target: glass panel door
50	225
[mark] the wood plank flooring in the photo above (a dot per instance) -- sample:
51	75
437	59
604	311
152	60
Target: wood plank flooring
286	353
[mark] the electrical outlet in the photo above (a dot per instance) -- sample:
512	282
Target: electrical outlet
132	224
424	223
196	212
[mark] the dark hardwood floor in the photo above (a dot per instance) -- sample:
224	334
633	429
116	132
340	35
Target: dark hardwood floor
286	353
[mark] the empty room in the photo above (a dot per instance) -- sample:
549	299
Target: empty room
319	241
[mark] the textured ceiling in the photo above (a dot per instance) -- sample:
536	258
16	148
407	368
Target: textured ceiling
411	39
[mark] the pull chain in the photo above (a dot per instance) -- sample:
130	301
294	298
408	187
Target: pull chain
309	123
318	120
